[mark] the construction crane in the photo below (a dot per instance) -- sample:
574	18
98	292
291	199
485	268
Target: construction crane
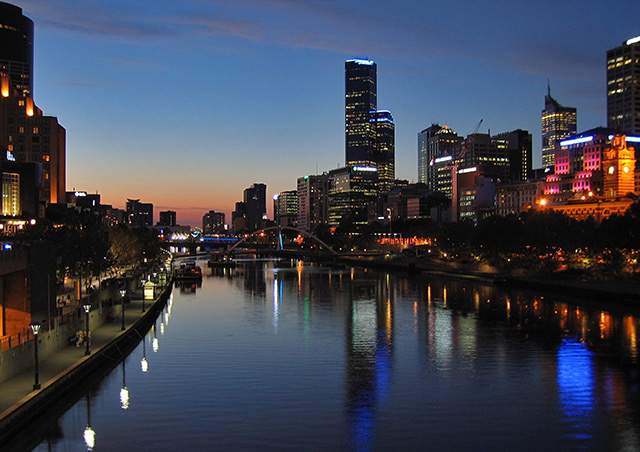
454	170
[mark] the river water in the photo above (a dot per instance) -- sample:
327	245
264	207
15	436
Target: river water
290	356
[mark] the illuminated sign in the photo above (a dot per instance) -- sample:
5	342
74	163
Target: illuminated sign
633	40
468	170
359	61
631	139
10	157
443	159
364	168
576	141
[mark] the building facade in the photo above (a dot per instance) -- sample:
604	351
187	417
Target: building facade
360	100
139	214
213	222
558	123
313	202
285	208
623	87
423	152
383	154
442	150
255	199
167	218
16	51
517	145
32	137
352	192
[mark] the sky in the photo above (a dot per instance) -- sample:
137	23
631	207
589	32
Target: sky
185	103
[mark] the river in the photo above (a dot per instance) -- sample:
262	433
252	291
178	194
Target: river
275	356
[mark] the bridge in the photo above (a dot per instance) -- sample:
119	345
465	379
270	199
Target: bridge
275	240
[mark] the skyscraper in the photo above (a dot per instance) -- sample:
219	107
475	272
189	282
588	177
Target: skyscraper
423	151
558	122
16	50
313	201
360	100
383	155
623	87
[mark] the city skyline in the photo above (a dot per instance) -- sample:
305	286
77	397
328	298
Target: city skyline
254	92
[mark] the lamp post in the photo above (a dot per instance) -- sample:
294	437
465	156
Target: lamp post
87	308
35	327
143	281
123	292
389	216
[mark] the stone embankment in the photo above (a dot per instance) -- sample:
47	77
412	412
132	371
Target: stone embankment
68	372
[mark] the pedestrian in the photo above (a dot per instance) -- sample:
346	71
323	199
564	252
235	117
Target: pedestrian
79	337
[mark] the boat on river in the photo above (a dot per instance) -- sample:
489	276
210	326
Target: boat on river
188	271
221	261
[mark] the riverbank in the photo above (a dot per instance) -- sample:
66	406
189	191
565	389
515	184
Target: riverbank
65	373
625	292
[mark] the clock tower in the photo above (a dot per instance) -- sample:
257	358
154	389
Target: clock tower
618	166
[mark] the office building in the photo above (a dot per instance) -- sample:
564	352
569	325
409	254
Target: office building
623	87
167	218
383	155
352	193
558	123
285	208
139	214
83	199
360	100
239	217
16	51
369	132
313	202
18	191
442	150
423	152
255	206
213	222
517	145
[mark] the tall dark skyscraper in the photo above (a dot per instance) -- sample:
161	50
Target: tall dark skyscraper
16	50
623	87
360	101
369	132
558	122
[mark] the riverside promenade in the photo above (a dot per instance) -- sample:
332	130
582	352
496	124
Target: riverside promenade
69	369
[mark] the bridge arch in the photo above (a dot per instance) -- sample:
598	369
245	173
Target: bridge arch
280	228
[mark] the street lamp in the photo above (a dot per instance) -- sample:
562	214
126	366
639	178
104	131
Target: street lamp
35	327
389	216
87	308
123	292
143	281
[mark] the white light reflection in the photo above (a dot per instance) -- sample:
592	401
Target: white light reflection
89	438
155	345
124	398
144	364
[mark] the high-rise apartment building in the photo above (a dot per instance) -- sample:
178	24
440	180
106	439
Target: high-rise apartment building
32	137
313	201
558	122
623	87
16	50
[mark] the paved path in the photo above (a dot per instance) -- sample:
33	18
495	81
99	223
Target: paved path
14	389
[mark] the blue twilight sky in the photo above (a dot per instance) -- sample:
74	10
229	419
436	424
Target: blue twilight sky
185	103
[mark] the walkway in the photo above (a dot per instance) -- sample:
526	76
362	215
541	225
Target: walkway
14	389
